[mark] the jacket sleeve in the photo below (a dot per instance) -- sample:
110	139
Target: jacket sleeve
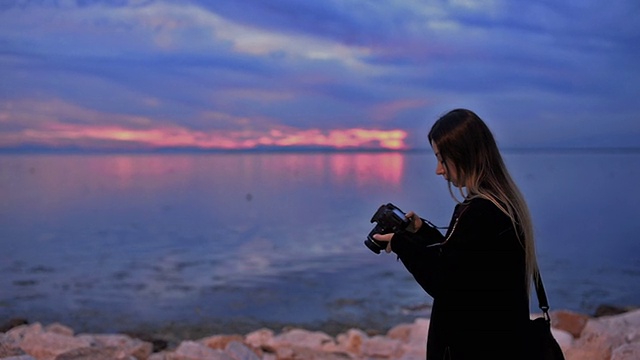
420	254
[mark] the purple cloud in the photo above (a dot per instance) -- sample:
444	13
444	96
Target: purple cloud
252	67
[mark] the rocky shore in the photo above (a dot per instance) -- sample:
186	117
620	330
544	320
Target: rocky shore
609	337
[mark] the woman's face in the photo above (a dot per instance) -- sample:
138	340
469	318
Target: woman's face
447	171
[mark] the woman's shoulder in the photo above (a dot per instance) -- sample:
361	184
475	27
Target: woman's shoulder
479	202
485	217
480	206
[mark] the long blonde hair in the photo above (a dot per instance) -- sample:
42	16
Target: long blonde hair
466	143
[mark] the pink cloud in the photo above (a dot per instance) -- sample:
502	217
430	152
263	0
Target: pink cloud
42	123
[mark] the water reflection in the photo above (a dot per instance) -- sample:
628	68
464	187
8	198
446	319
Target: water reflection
368	169
58	180
130	171
115	233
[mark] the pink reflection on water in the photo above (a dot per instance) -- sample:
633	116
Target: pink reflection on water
282	172
151	172
52	182
368	168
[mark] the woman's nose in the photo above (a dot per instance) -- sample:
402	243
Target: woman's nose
439	169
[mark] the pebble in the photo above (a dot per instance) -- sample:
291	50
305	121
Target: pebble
611	337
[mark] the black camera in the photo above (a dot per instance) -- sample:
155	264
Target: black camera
389	219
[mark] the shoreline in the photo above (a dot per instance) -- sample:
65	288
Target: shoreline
615	335
173	333
190	328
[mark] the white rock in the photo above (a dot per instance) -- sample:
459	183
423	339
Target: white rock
564	338
352	341
46	346
259	338
626	352
191	350
314	340
381	347
240	351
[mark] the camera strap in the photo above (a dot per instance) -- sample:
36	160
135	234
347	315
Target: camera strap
453	228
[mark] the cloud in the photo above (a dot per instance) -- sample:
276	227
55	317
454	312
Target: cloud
55	123
317	71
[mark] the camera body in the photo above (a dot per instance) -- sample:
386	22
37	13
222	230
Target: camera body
389	219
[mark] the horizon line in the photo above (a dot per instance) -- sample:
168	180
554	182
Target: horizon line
296	149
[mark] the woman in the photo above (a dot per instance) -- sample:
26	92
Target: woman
479	273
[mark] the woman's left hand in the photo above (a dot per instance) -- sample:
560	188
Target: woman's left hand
384	238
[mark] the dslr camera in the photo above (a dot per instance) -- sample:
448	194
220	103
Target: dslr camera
389	219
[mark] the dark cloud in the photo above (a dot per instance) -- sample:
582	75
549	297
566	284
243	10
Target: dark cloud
357	23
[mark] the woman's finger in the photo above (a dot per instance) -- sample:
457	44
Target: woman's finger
383	237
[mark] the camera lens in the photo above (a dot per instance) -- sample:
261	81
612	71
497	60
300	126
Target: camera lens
373	246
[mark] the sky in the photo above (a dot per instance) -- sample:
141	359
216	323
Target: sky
343	74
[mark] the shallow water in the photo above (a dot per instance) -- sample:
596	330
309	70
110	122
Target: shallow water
110	242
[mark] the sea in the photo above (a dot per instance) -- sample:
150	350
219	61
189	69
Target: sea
233	242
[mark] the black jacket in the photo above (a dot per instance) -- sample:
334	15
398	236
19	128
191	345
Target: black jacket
477	281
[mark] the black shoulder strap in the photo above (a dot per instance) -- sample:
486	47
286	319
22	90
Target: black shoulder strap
542	295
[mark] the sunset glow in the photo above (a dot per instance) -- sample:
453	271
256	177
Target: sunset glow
178	137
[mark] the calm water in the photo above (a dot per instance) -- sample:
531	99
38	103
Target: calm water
109	242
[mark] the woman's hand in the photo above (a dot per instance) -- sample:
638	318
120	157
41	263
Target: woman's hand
416	222
414	225
384	238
